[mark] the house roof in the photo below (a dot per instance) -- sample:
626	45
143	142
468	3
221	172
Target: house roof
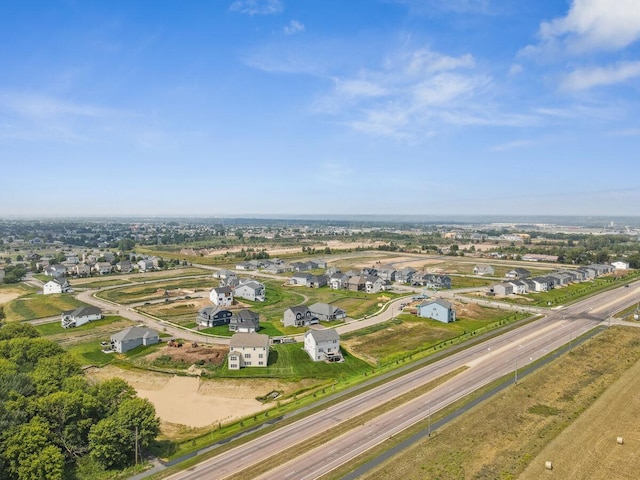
249	340
323	335
246	315
133	333
323	309
222	289
303	309
437	301
83	311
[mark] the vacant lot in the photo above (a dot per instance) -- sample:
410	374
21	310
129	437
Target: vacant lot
157	290
501	437
197	402
12	291
408	334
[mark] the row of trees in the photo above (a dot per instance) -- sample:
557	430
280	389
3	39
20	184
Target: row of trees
52	418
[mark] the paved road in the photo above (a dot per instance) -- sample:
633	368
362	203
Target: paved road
485	362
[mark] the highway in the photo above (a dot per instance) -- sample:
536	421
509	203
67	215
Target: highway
485	362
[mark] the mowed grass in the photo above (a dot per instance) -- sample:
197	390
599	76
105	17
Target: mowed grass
408	334
32	306
458	281
55	328
155	290
501	437
291	362
99	281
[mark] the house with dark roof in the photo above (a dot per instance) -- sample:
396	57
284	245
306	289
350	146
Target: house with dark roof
221	296
245	321
212	316
483	269
133	337
80	316
518	274
57	285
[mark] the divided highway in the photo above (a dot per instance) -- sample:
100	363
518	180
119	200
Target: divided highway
485	362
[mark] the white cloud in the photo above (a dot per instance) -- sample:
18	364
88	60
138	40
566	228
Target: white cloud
293	27
585	78
257	7
590	25
515	69
516	144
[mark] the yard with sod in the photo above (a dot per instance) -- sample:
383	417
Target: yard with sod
408	334
156	290
291	362
181	312
35	305
583	400
110	323
459	281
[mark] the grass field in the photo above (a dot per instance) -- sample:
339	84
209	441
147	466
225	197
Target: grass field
54	328
292	362
408	334
124	278
33	305
501	437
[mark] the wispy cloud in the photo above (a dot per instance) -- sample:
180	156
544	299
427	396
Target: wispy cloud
257	7
514	145
293	27
429	7
34	117
585	78
335	173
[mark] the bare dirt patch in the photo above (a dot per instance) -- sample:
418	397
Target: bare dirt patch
6	297
211	354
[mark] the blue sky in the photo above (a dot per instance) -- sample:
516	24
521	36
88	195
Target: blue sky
226	107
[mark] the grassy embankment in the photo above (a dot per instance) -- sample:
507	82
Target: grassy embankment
33	305
501	437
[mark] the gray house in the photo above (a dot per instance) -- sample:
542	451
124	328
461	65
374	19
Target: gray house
213	317
324	311
251	290
299	316
245	321
133	337
438	309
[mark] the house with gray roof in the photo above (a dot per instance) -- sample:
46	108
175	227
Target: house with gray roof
133	337
325	311
483	269
299	316
248	350
244	321
438	309
503	289
405	275
323	345
518	273
221	296
212	316
57	285
250	290
80	316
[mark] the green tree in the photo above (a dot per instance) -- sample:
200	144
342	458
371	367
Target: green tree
28	452
108	444
15	330
110	394
50	373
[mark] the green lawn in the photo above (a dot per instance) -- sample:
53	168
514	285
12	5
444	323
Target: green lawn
468	282
90	353
290	361
55	328
408	334
32	306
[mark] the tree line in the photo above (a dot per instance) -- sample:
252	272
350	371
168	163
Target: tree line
54	421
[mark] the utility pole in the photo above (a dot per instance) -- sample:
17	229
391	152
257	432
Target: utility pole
516	372
429	420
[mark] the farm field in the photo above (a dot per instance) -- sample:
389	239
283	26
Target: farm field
407	334
35	305
515	430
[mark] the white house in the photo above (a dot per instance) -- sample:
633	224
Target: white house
102	268
57	285
248	350
323	345
221	296
438	309
505	288
483	270
620	265
251	290
145	265
80	316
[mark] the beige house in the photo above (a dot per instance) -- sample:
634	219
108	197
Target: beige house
248	350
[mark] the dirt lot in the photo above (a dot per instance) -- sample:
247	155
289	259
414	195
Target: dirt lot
6	297
193	402
190	354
